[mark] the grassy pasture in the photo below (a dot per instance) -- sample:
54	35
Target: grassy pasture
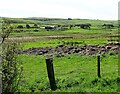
75	72
55	42
30	32
46	38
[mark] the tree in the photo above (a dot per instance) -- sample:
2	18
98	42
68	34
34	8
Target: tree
27	26
11	65
6	29
19	26
71	26
35	25
69	18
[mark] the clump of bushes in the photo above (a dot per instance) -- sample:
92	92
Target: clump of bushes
11	65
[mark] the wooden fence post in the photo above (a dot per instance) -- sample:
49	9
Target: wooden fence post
98	60
50	71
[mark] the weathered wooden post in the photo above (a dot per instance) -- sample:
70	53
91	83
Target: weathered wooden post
50	71
98	60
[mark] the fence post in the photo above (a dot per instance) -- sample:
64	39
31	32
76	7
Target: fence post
98	60
50	71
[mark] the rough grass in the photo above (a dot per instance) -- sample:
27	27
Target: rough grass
46	38
55	42
73	73
41	32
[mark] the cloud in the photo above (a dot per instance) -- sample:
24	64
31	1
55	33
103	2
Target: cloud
93	9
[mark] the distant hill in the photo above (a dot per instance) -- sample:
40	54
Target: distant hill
43	20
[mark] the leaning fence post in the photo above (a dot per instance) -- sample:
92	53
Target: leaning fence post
50	71
98	61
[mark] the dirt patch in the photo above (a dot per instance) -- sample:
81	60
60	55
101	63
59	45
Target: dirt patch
84	50
59	37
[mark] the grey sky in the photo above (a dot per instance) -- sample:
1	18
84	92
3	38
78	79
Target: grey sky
119	11
86	9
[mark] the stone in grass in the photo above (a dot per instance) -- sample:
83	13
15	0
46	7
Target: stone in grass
40	53
108	47
60	45
59	55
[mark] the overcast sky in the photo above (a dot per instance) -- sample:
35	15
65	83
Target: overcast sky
86	9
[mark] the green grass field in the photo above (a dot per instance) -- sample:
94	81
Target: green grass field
74	72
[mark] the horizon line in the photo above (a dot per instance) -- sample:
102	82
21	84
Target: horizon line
60	18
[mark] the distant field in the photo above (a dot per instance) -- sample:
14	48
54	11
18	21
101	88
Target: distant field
60	21
54	38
